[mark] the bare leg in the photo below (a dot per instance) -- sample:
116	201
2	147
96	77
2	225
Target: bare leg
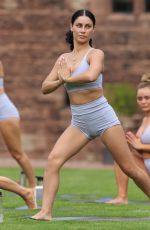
122	186
26	193
115	140
10	130
70	143
122	180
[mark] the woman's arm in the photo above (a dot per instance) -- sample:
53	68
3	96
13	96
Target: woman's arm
136	143
52	81
96	64
144	147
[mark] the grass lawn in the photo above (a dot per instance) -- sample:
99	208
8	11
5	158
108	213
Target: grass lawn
78	192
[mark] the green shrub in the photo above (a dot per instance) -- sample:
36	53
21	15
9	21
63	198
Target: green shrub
122	97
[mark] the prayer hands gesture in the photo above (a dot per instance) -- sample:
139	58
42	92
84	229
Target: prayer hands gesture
133	140
63	71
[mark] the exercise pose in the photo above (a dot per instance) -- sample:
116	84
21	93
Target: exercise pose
80	71
10	131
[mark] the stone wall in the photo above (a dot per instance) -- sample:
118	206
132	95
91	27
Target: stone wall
124	39
29	45
32	35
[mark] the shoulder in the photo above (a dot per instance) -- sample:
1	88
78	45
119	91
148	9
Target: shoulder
64	55
96	53
1	69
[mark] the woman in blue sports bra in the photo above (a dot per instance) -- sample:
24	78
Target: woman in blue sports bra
80	71
140	143
10	131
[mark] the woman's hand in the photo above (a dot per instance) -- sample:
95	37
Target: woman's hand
63	71
134	141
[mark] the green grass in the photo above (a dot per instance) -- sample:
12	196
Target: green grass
83	185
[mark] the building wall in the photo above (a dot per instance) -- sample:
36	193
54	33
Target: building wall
32	35
29	45
124	39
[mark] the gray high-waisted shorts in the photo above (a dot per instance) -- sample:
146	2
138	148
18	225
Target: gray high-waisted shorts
94	118
7	108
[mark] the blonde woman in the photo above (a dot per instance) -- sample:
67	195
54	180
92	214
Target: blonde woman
139	142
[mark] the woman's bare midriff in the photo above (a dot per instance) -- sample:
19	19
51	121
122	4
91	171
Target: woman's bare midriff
85	96
2	90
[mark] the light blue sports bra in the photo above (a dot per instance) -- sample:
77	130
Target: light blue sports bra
1	82
145	137
83	66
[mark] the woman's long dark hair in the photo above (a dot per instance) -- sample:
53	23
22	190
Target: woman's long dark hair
78	13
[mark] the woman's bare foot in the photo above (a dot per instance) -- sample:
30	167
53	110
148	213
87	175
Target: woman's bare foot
30	197
118	200
42	215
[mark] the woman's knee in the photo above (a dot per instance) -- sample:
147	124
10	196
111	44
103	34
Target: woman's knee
17	154
53	162
130	170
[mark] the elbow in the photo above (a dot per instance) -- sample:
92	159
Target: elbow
91	78
44	89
